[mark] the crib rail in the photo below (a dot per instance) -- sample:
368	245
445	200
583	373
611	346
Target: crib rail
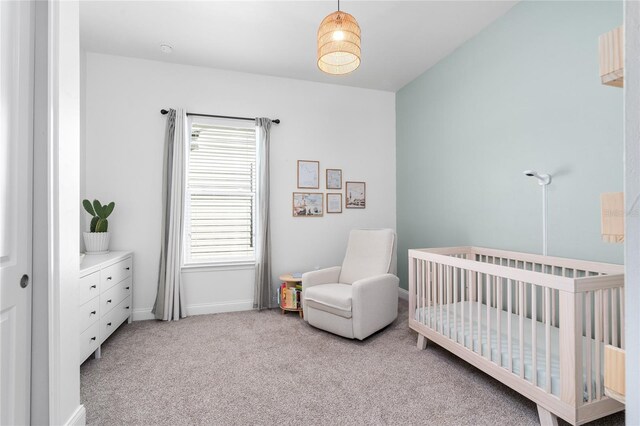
528	314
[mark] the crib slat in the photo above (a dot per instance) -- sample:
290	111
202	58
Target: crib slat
534	336
598	340
525	305
521	327
554	315
479	324
421	285
433	305
614	317
509	335
487	284
426	306
425	277
441	295
605	316
622	317
435	279
449	298
547	339
498	319
447	283
471	281
463	289
588	298
455	304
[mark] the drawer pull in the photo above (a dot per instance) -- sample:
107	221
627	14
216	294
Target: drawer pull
126	288
126	307
109	301
92	313
108	278
127	268
108	324
93	286
93	338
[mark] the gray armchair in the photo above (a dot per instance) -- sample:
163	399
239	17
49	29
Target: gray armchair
361	297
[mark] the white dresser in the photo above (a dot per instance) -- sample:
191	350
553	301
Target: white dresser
105	297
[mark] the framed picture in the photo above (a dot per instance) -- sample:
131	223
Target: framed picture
307	204
334	179
334	202
308	174
356	197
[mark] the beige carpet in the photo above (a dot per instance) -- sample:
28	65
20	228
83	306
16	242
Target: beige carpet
268	368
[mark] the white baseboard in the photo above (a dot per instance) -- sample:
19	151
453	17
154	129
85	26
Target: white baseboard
216	308
200	309
403	294
143	314
78	418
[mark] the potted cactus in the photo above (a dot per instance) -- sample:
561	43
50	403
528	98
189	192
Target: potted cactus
97	240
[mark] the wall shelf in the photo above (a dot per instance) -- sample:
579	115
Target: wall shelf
611	49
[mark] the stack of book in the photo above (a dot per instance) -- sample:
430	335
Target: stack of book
290	297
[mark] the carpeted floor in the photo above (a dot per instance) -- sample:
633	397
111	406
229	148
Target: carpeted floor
267	368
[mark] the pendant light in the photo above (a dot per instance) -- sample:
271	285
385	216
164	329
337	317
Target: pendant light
338	43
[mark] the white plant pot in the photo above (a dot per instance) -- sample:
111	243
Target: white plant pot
96	242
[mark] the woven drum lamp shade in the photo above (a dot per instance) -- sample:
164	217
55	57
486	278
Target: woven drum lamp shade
339	44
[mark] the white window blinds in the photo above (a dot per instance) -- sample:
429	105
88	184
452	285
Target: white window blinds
221	182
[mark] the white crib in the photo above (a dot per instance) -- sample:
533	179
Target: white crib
536	323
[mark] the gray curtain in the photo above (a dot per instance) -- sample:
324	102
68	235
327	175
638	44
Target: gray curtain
263	291
169	303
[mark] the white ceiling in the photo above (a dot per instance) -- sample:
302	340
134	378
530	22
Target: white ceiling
400	39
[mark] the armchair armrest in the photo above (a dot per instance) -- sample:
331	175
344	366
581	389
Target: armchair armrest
374	304
321	276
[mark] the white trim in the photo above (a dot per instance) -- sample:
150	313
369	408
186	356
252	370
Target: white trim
216	308
201	309
78	418
223	266
143	314
403	294
632	208
52	198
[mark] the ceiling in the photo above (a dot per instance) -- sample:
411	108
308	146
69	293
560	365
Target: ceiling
400	39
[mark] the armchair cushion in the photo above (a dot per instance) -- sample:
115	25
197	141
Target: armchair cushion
332	298
370	252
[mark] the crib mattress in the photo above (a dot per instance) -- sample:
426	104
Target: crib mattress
471	341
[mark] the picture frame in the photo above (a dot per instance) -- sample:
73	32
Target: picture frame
334	178
307	204
308	174
334	202
355	195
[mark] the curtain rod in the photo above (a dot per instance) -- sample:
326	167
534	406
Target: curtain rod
165	112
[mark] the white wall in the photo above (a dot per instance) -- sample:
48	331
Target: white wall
348	128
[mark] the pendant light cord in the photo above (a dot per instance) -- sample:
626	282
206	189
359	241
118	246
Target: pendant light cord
338	5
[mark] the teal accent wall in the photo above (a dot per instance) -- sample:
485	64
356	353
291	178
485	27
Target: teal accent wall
524	93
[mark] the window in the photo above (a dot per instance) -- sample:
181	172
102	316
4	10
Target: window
220	192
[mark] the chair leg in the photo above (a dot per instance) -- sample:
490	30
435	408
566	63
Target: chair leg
547	418
422	342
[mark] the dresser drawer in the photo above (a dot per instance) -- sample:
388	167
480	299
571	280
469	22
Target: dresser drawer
88	313
89	287
89	341
116	294
114	318
112	275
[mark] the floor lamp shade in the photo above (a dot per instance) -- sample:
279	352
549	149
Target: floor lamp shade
338	44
